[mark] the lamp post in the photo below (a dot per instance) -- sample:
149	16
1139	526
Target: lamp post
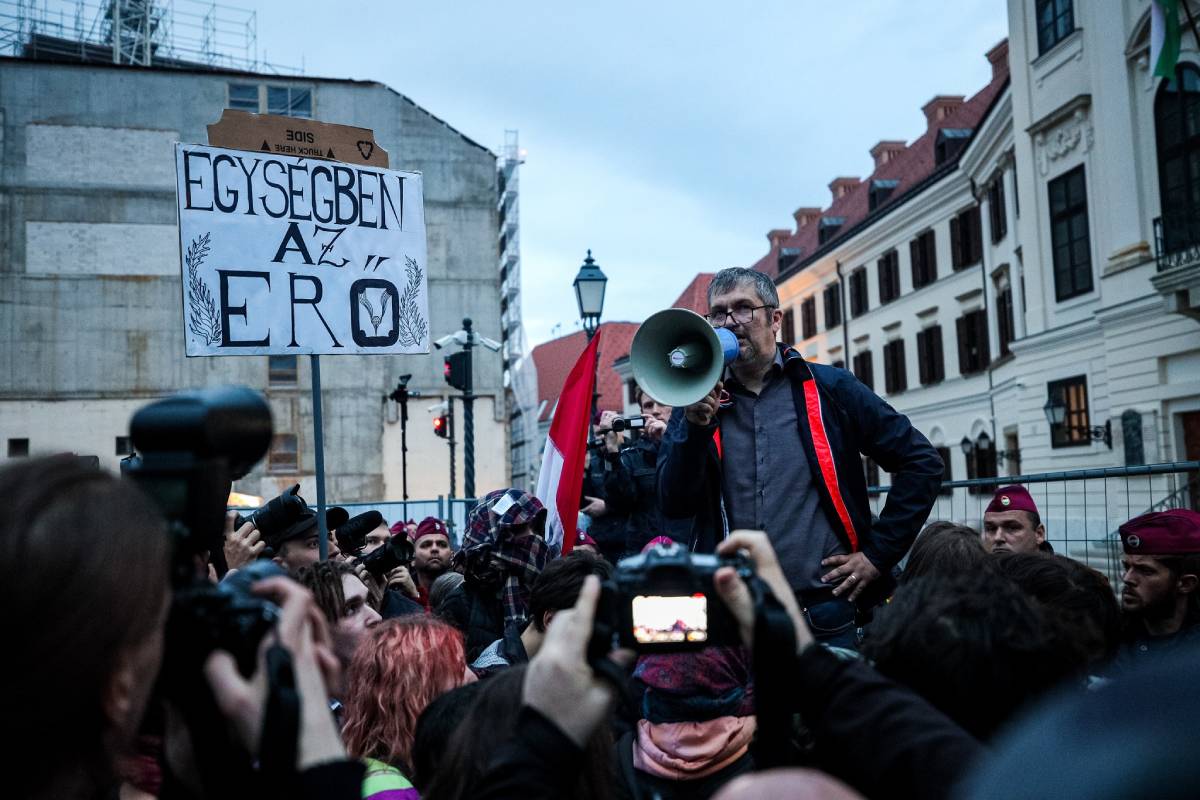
589	295
400	396
1056	414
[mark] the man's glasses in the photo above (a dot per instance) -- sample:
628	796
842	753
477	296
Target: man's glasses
742	315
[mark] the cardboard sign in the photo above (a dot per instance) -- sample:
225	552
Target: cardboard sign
293	136
291	255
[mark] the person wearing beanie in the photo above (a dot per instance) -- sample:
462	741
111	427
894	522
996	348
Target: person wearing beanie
1160	584
431	555
696	727
1011	523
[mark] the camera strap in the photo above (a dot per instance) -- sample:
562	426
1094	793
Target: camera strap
774	660
281	720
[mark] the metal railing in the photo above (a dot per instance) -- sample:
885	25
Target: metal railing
1081	509
453	511
1176	242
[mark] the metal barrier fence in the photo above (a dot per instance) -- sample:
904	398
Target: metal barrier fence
1081	509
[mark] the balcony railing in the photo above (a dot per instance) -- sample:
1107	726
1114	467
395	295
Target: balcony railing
1176	242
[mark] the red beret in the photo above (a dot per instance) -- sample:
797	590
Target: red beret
431	526
1162	533
584	539
1011	498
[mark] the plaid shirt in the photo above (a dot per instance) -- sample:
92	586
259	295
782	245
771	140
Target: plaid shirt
492	555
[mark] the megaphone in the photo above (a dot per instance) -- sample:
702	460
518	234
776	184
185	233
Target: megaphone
677	357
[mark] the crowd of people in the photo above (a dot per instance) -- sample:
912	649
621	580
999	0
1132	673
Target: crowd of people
877	655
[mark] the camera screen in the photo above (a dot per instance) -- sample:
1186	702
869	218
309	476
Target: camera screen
663	620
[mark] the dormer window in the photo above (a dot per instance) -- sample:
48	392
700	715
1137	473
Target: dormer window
788	256
879	193
828	228
950	142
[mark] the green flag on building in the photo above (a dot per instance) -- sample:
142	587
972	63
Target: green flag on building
1164	37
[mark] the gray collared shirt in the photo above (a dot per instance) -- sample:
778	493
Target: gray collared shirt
766	481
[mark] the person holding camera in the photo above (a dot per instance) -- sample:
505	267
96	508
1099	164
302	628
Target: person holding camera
603	480
879	737
791	436
634	491
382	560
88	646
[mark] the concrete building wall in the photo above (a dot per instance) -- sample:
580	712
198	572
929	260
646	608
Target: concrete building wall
89	265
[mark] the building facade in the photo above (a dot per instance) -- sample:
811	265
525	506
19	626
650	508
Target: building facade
998	279
91	325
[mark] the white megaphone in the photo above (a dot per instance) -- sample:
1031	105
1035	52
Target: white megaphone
677	357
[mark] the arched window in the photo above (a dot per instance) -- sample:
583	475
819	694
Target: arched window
1177	129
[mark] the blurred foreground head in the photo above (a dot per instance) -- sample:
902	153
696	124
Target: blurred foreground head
83	583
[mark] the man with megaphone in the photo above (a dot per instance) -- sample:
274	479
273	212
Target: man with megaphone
764	440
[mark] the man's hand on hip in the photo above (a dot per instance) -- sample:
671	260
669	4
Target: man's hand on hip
851	573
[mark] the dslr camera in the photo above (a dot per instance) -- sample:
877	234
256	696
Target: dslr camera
664	601
277	513
352	538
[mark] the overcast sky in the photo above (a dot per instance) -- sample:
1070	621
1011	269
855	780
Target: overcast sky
668	137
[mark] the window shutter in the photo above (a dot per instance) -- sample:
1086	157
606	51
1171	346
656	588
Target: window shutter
937	369
956	259
923	356
983	339
964	358
914	253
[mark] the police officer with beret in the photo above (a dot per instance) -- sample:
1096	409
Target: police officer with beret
1160	601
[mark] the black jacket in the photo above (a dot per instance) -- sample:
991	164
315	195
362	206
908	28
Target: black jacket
838	418
879	737
633	493
478	612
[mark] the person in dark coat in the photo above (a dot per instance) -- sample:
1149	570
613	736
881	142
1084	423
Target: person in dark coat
696	726
502	554
792	435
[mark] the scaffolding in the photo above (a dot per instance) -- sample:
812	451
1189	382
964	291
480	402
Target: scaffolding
184	34
520	379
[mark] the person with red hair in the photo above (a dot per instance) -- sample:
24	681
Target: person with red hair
399	668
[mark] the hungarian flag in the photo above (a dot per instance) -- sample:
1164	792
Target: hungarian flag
1164	37
561	479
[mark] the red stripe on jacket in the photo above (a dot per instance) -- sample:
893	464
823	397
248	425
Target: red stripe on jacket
816	423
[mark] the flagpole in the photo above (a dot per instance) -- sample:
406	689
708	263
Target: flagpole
1191	21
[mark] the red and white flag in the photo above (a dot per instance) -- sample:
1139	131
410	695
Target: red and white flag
561	479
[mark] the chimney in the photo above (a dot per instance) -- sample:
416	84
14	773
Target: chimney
840	187
805	216
886	150
940	107
998	58
776	236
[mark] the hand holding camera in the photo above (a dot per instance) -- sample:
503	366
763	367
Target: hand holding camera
242	546
736	595
401	580
302	632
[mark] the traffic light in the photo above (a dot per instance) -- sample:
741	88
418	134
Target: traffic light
441	426
455	370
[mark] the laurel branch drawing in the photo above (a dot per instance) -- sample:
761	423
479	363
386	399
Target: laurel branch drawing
413	326
204	321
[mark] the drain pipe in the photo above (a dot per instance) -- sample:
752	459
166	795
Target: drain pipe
983	283
845	317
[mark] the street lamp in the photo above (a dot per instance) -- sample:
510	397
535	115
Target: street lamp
967	446
1056	415
589	294
1056	411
